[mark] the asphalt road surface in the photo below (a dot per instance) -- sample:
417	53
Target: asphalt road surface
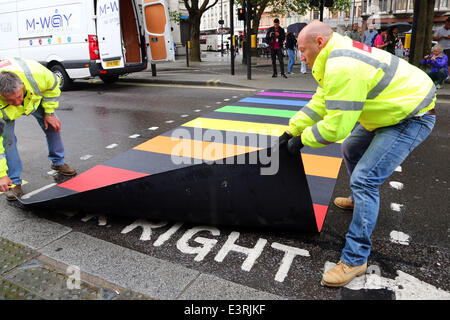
412	234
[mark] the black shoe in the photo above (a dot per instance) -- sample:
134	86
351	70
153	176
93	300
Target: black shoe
284	76
274	75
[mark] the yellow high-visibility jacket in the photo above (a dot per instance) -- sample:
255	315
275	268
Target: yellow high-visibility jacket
358	83
41	88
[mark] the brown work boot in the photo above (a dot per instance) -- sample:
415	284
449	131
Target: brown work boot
16	190
64	169
341	274
344	203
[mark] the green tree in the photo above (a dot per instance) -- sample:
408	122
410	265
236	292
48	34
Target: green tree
196	8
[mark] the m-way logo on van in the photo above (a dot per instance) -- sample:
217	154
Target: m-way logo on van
108	7
54	21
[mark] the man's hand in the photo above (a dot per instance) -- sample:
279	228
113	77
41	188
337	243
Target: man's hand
295	144
426	57
4	183
52	121
284	138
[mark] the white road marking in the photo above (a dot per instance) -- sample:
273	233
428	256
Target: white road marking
181	86
134	136
398	169
404	286
290	253
396	185
32	193
200	251
52	172
399	237
166	235
153	128
88	156
252	253
112	146
146	226
208	106
184	115
197	110
396	207
170	121
226	99
101	219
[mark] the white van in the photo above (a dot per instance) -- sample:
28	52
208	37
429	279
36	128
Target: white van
79	39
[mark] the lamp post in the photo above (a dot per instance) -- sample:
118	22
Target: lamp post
221	33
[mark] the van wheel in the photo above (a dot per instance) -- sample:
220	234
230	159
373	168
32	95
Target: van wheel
65	81
109	78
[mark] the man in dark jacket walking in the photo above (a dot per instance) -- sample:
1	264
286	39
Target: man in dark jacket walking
274	38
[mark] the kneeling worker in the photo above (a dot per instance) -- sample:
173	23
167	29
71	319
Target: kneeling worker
392	100
27	87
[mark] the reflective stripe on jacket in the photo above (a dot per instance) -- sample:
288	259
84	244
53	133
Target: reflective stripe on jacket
3	165
41	85
358	83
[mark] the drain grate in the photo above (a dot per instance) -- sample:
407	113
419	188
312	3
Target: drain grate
11	291
13	255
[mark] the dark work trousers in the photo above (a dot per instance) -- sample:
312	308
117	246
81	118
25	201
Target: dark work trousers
277	53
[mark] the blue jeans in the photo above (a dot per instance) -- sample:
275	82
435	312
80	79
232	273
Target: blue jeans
291	61
54	143
371	157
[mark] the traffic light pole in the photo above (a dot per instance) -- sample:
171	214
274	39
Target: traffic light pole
232	35
248	39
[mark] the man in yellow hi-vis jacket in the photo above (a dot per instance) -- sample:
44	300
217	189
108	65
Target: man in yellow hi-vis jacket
393	102
27	87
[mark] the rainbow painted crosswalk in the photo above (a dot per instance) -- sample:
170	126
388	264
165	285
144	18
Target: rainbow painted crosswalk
245	127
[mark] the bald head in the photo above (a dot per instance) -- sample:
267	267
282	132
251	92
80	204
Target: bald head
315	29
312	39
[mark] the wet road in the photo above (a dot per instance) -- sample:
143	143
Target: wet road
100	122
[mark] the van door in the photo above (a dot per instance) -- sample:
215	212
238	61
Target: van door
158	34
109	34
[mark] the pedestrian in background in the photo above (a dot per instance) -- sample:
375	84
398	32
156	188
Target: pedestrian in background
439	63
27	87
381	122
392	40
442	36
274	38
355	34
368	35
380	39
291	44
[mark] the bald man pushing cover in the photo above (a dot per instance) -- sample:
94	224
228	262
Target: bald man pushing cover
387	107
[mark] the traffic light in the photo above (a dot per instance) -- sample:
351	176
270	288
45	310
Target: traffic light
252	11
241	14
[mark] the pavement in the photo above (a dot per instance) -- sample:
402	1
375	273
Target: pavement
42	259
